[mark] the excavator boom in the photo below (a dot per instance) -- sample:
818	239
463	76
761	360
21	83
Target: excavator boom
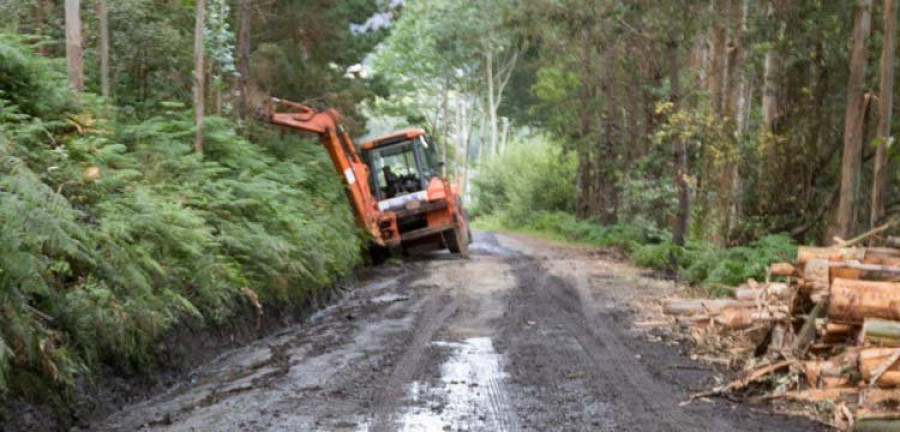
326	124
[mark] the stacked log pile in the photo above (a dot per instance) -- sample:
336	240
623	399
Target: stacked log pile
826	333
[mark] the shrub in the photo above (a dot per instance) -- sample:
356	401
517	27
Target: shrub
534	176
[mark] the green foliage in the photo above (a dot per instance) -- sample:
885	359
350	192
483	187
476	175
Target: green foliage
712	267
536	177
118	231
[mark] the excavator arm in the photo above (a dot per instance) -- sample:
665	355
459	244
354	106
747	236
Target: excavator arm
326	124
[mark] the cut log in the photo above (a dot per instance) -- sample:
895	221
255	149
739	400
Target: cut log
819	395
855	270
783	269
839	329
880	365
835	333
693	307
880	332
815	275
772	290
882	253
852	301
871	398
740	318
807	253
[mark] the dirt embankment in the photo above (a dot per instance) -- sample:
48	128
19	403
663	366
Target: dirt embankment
523	335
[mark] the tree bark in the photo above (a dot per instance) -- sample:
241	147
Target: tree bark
606	162
199	75
39	24
771	102
583	178
458	138
854	123
852	301
74	53
885	111
504	135
243	66
718	66
445	123
680	152
872	359
879	332
103	17
491	105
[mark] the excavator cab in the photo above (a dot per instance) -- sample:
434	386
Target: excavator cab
405	180
401	167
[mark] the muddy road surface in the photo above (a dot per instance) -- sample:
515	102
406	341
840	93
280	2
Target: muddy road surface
522	335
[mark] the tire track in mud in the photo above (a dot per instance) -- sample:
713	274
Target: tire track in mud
576	366
392	393
650	406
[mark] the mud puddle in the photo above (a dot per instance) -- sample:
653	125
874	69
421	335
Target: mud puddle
470	394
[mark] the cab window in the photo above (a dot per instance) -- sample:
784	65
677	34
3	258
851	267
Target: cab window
395	169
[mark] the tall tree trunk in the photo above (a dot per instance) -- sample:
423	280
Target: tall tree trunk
103	17
445	122
680	152
74	53
39	24
583	178
199	74
504	135
482	126
470	113
607	156
718	72
634	117
854	123
771	97
491	103
733	108
885	110
243	66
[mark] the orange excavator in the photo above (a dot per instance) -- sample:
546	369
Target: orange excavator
393	183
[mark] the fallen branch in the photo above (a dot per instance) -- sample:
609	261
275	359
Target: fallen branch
867	234
744	382
881	369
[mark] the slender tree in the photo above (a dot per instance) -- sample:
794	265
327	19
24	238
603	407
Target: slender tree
103	18
199	94
243	66
74	54
772	75
679	150
854	121
885	110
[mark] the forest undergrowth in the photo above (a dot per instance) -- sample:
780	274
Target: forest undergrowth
113	231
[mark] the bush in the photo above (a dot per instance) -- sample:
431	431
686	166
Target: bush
534	176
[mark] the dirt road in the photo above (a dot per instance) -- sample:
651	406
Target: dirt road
523	335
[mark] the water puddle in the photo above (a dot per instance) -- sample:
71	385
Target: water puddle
469	397
490	248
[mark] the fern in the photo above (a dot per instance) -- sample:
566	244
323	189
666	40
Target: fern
160	236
